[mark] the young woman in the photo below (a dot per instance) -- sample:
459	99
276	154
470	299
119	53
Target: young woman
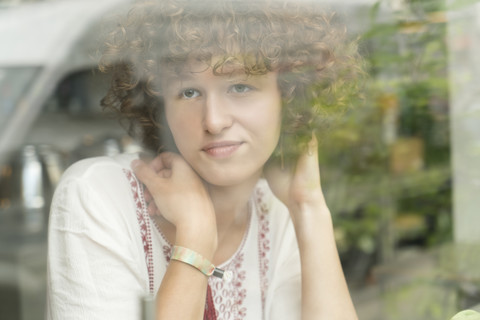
226	219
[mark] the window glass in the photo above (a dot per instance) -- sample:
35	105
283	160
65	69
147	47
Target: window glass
14	84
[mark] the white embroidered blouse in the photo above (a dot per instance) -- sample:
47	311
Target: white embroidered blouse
105	252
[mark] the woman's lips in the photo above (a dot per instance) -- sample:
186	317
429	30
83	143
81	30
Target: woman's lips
221	149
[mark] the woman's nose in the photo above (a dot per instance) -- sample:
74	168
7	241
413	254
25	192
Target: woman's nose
217	116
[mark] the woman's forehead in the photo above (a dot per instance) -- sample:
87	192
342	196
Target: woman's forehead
219	64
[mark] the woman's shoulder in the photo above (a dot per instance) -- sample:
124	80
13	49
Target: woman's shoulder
106	177
95	190
99	166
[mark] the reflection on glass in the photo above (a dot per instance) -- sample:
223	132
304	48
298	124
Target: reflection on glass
14	82
32	189
386	169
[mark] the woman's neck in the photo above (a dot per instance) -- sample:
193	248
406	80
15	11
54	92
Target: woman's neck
230	203
231	206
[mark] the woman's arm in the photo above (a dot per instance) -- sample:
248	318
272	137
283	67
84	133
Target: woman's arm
325	293
181	198
94	259
182	294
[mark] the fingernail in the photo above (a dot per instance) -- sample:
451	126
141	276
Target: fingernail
310	150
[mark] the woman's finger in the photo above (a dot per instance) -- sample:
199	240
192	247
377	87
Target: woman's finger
307	168
144	173
157	163
147	195
162	161
168	159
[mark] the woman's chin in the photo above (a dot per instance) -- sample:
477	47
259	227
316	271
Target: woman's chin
230	179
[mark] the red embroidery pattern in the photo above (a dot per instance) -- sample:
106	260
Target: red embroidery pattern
263	242
167	248
223	298
167	252
229	297
143	222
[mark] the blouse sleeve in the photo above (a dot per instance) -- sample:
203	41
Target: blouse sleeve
93	261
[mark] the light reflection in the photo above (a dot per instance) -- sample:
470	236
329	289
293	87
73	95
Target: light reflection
373	153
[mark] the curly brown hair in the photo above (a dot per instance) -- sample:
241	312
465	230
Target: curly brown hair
317	64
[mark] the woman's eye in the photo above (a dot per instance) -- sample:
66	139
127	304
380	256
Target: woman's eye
240	88
189	93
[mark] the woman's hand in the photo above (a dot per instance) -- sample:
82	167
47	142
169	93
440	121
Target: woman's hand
299	186
324	290
180	196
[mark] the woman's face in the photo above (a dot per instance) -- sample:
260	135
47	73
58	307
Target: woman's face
225	126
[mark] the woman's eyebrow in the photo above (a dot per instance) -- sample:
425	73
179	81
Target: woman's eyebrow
236	77
180	77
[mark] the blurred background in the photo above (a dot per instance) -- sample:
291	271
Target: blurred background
401	173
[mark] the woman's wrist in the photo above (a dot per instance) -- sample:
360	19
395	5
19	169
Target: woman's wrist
200	237
307	218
